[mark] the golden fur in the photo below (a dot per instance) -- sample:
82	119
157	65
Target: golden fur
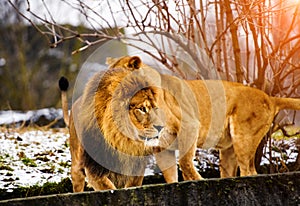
229	116
109	123
248	115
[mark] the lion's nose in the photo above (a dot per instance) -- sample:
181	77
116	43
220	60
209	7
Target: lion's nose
158	128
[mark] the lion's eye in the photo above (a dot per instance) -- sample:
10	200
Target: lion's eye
143	109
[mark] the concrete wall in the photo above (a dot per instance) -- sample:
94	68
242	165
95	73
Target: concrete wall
279	189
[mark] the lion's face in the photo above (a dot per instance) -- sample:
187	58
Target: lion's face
145	114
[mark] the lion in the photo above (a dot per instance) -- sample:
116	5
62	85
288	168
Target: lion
109	126
228	116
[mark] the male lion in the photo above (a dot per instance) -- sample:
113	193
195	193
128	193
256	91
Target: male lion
213	113
108	126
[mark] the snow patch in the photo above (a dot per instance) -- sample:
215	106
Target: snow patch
14	117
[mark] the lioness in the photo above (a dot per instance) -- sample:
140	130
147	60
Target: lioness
108	126
213	113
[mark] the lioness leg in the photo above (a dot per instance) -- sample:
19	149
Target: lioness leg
252	166
100	182
228	164
247	128
166	161
187	166
78	178
245	155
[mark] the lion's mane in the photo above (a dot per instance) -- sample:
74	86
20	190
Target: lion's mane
105	131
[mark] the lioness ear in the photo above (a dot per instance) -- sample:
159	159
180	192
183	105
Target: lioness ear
135	62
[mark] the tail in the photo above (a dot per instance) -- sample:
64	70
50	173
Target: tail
63	86
286	103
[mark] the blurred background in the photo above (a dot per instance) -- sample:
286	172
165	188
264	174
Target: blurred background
253	42
29	65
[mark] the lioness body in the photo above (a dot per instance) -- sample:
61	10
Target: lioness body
246	116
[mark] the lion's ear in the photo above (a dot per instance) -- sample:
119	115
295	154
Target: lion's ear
110	61
135	62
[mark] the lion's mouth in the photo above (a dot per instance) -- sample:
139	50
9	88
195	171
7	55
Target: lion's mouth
145	138
150	141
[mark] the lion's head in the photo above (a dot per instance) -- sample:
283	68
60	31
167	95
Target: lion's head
135	99
126	62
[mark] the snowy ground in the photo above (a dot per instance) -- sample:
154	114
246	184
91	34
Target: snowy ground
33	157
36	155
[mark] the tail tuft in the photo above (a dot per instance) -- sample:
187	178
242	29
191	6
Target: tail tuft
63	83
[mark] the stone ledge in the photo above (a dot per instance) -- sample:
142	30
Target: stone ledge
276	189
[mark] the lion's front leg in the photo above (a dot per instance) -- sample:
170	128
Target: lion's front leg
100	182
166	161
134	181
78	177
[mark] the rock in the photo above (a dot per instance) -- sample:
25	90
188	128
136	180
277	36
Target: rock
276	189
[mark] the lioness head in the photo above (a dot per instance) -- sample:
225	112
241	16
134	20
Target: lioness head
138	93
